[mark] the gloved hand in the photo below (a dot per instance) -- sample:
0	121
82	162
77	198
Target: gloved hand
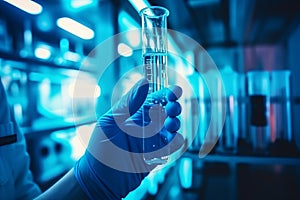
113	164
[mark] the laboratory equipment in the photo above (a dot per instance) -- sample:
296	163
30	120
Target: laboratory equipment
280	114
215	108
198	110
244	139
154	54
259	100
280	106
228	140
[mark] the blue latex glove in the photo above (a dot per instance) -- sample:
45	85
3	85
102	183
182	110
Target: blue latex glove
113	164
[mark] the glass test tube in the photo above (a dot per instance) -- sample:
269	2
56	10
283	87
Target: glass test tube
259	96
228	140
244	140
154	54
280	114
280	106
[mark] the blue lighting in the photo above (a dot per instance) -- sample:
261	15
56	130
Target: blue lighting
64	45
44	21
186	172
81	3
78	5
139	4
72	56
126	22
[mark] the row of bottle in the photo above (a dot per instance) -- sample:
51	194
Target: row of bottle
252	115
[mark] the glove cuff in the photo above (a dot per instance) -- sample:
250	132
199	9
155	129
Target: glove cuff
92	186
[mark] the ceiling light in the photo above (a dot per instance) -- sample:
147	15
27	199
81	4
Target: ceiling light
75	28
28	6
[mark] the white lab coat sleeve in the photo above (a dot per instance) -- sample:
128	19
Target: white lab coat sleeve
16	181
25	187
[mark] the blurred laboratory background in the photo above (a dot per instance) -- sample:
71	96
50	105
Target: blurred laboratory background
255	45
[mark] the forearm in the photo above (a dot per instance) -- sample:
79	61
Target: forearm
66	188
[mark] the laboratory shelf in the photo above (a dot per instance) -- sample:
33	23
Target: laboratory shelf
231	177
33	63
46	126
245	159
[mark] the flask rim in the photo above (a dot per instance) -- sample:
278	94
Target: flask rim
148	11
